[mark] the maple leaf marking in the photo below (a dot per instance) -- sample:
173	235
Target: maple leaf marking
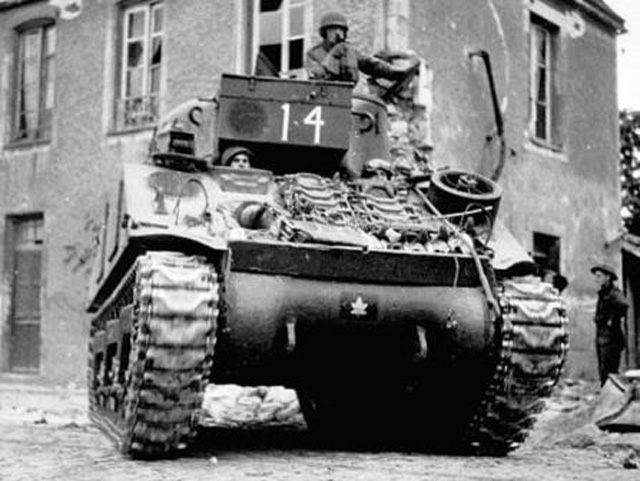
359	307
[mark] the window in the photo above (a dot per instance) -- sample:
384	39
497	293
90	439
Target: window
278	31
543	98
546	252
140	67
34	87
25	253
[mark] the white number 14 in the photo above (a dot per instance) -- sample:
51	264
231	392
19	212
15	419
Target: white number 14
314	118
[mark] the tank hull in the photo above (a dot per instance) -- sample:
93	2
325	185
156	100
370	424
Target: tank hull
349	334
364	324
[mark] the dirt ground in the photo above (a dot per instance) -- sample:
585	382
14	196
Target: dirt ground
45	435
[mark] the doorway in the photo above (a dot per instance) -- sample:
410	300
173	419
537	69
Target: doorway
25	264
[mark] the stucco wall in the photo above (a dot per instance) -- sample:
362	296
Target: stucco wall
445	33
202	45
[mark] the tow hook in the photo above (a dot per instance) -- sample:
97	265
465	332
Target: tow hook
291	333
452	321
423	347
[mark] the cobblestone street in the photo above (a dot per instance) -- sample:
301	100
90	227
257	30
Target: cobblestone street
47	436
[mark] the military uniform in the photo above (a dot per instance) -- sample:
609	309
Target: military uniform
610	310
344	61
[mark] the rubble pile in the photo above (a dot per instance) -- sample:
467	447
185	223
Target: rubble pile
566	419
568	422
43	405
407	134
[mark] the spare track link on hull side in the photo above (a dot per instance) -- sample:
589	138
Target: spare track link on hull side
147	376
532	346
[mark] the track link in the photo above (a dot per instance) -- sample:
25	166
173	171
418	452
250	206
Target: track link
532	345
148	374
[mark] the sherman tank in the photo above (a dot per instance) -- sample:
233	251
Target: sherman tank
374	293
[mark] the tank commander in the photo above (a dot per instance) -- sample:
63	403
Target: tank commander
237	157
336	59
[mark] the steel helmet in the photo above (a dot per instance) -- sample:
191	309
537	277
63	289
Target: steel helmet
333	19
231	152
607	269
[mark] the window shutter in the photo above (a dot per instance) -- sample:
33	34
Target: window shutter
557	123
558	89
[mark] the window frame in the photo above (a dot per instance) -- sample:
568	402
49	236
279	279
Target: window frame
42	131
285	36
547	250
541	40
540	27
125	120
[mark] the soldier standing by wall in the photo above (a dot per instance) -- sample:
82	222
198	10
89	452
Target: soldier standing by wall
610	310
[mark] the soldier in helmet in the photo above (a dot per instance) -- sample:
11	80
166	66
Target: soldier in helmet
336	59
610	310
237	157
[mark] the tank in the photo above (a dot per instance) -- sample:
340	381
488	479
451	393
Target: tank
371	292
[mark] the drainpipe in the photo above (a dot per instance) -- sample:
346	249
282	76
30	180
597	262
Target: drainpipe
486	58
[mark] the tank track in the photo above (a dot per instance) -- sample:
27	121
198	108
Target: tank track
532	345
147	390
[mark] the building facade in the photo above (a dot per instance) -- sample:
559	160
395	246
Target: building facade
82	84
